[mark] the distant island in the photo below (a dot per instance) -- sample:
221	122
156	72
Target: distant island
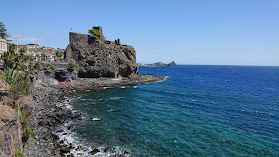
158	64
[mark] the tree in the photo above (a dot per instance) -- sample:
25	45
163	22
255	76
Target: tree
58	54
3	31
43	57
8	59
95	33
12	48
22	51
14	61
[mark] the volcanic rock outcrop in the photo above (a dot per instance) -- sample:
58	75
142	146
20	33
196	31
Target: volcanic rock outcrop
101	58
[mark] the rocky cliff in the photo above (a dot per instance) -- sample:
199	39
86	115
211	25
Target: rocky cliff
101	58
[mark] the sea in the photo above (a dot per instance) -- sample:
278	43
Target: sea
198	110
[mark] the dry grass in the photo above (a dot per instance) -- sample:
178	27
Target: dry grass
7	112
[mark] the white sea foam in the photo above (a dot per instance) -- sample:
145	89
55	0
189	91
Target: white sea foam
82	148
115	98
107	87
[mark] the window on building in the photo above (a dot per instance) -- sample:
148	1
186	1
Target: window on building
1	46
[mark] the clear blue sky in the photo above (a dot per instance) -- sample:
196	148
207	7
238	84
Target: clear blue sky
226	32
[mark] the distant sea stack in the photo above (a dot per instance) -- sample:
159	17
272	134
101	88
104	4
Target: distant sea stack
98	57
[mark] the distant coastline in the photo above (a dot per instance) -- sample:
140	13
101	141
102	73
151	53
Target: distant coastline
158	64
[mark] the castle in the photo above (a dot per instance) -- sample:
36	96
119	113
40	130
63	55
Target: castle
100	57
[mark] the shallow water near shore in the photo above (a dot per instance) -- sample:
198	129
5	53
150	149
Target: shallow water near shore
196	111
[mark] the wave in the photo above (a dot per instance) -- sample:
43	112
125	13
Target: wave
82	147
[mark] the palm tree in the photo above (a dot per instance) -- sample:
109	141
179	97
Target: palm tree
12	48
22	51
8	59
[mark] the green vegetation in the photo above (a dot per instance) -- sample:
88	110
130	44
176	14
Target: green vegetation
13	61
95	33
12	48
43	57
8	58
31	69
107	42
22	51
18	153
3	31
18	82
72	66
37	66
50	66
58	54
26	126
13	75
23	67
1	140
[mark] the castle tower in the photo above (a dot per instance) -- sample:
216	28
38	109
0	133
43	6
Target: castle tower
99	28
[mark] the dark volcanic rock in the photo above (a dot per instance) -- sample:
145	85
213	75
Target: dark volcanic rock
159	64
97	59
94	151
172	63
65	75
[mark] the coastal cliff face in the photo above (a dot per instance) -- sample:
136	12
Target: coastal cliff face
101	58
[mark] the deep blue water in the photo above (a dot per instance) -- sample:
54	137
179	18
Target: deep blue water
196	111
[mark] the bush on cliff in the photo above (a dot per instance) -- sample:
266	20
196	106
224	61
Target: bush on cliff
18	153
58	54
14	61
50	66
37	66
72	66
26	125
95	33
107	42
18	83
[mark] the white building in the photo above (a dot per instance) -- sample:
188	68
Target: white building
3	45
22	46
33	46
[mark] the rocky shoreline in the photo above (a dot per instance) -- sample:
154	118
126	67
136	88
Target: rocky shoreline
53	119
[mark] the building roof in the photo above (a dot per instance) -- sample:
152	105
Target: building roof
3	40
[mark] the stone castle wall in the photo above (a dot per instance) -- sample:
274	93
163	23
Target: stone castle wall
99	59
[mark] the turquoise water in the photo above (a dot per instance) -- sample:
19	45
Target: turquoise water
196	111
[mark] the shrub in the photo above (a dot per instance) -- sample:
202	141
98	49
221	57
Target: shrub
72	66
95	33
22	67
26	126
26	134
50	66
58	54
37	66
18	83
107	42
31	69
18	153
